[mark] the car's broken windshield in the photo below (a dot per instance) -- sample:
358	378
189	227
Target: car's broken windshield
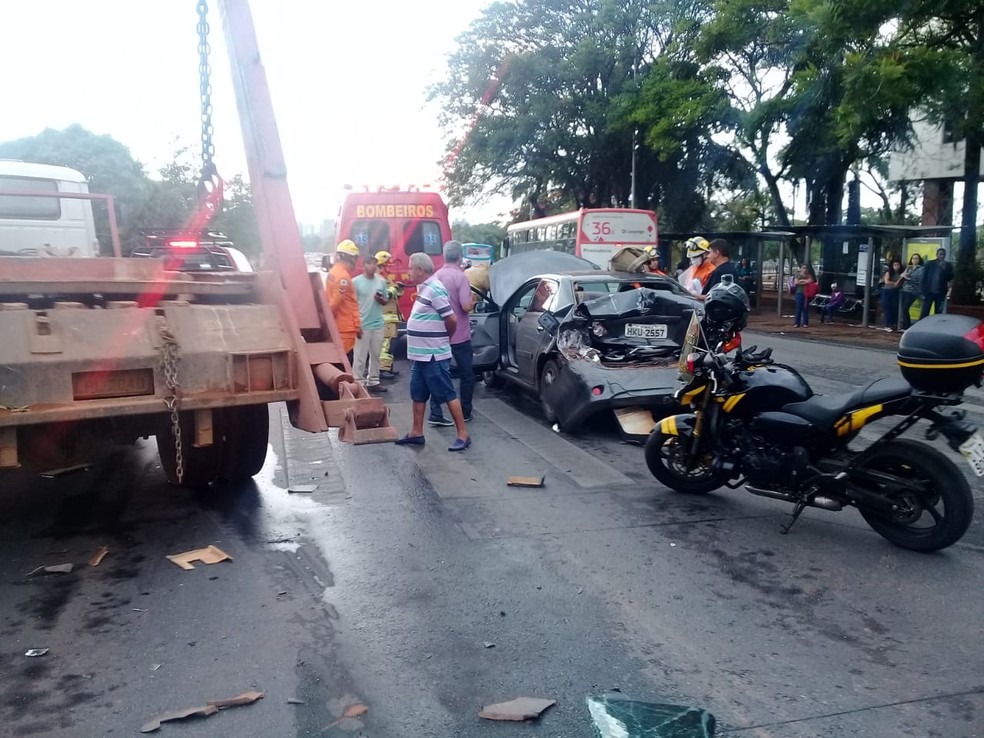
640	301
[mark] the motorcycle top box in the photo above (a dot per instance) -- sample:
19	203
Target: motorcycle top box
943	353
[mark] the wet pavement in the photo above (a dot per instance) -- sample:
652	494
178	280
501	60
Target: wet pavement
383	586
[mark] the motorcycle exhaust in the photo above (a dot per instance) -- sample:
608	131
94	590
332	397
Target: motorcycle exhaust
824	503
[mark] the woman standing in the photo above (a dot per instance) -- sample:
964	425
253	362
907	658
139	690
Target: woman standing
890	294
804	278
911	287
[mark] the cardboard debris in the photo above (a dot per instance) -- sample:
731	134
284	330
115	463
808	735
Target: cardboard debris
352	711
56	569
206	710
202	712
55	473
302	489
208	555
519	709
98	556
526	481
246	698
635	421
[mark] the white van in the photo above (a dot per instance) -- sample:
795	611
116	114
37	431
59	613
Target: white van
44	226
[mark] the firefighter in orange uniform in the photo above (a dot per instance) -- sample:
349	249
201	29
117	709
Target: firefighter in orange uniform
341	295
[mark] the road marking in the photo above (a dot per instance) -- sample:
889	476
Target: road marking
587	471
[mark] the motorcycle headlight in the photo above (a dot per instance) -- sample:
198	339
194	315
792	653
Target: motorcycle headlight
598	328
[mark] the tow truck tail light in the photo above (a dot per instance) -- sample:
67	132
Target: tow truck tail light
184	244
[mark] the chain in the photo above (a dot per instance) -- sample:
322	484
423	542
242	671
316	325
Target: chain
169	367
205	82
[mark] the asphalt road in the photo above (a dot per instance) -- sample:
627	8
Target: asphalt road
384	585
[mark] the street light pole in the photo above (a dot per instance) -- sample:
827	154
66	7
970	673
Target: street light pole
632	189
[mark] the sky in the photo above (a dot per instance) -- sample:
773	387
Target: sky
348	82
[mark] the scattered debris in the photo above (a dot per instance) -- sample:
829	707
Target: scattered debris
33	652
55	473
207	710
615	716
580	590
489	644
298	489
355	710
59	552
138	609
199	712
519	709
208	555
526	481
246	698
98	556
56	569
155	667
294	701
672	545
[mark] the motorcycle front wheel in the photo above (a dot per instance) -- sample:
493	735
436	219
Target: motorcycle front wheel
934	504
666	457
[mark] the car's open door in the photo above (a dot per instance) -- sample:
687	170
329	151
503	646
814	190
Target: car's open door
485	338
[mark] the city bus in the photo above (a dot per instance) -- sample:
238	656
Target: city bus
402	222
594	234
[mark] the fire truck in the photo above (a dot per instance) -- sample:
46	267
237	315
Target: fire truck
97	348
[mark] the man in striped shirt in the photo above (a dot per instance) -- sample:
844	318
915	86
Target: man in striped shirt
431	324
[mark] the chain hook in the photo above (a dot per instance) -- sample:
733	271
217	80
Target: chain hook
210	187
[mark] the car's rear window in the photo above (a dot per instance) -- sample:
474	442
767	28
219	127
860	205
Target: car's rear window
622	286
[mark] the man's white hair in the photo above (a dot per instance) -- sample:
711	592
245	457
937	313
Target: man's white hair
422	261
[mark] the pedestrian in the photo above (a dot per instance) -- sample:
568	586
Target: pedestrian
803	280
890	293
911	288
341	296
430	327
832	305
453	277
719	255
391	314
935	282
370	290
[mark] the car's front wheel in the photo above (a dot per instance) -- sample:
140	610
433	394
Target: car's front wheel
548	375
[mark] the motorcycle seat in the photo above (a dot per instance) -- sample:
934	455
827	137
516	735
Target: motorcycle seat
824	410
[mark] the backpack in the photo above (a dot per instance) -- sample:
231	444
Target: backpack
810	290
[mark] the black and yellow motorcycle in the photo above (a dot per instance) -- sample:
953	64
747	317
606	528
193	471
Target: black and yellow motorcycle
755	423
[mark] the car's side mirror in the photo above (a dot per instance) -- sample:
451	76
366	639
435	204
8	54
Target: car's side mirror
481	307
549	322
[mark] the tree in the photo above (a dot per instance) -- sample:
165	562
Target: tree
926	56
488	233
543	99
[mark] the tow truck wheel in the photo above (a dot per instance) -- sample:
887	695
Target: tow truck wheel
201	465
244	449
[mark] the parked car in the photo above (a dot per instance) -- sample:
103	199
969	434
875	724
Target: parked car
583	340
183	252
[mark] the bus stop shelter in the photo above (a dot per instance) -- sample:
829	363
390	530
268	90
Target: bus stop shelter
869	239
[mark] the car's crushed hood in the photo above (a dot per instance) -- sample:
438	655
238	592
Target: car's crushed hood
509	274
630	304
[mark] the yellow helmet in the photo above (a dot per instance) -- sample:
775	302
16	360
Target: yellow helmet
697	246
348	247
383	257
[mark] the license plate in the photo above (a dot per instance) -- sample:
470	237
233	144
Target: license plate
973	451
644	330
121	383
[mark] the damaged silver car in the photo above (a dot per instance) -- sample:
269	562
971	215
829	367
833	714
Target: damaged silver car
583	340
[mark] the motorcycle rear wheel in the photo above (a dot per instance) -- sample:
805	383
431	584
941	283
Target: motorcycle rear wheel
665	457
935	503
